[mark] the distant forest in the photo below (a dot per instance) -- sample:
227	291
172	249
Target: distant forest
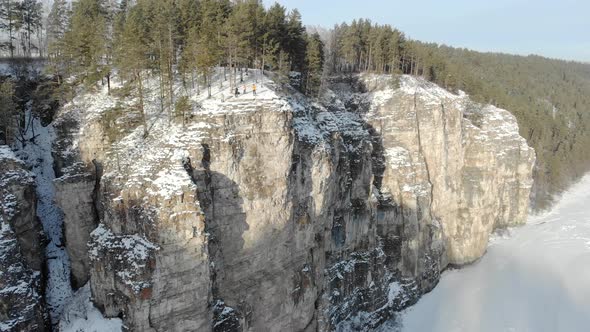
90	40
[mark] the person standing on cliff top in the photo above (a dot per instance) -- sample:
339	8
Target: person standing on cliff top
254	89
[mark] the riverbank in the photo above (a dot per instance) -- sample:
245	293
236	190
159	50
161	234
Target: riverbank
535	279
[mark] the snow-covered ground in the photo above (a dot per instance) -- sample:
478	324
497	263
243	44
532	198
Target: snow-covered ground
536	279
81	315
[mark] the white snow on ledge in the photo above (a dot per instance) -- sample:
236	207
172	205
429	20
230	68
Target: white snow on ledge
132	252
7	154
425	89
81	315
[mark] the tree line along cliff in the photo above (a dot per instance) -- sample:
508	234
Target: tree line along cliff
91	39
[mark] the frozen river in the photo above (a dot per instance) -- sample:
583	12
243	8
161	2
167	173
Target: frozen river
537	279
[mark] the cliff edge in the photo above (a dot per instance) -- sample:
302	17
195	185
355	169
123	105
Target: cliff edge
279	213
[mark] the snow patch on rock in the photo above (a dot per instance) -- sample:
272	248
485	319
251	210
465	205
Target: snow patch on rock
81	315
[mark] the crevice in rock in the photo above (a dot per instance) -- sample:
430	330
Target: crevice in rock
222	233
421	151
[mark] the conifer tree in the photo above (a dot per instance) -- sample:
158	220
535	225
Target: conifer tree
314	60
10	21
395	44
188	18
188	31
57	23
165	32
239	30
208	40
294	43
274	36
7	112
110	12
256	15
86	40
31	16
133	54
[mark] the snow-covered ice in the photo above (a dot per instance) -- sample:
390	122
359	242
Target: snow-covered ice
74	312
536	279
38	157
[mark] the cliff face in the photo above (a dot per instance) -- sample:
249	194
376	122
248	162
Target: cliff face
467	159
75	182
21	251
277	213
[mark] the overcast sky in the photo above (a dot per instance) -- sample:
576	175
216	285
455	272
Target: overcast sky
552	28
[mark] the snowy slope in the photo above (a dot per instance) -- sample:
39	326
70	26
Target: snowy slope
536	279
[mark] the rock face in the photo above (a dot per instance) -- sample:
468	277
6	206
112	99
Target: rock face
75	194
21	250
281	214
468	159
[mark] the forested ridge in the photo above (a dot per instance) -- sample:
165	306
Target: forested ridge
92	41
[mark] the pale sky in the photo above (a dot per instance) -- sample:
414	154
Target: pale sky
552	28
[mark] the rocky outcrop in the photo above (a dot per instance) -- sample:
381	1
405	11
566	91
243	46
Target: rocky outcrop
21	249
282	214
468	159
75	185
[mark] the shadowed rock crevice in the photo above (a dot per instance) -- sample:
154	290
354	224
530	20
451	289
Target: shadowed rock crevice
365	283
225	224
77	185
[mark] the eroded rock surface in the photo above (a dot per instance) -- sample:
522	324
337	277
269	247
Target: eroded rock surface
75	186
277	213
21	248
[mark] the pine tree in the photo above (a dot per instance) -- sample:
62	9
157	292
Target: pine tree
394	56
110	11
182	108
294	43
283	68
7	112
86	40
274	37
133	54
57	23
208	48
350	46
239	30
257	14
10	21
314	60
31	12
188	18
165	35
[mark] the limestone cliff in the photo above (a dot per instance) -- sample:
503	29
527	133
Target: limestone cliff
75	194
277	213
21	251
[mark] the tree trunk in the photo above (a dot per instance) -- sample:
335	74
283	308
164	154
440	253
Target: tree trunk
208	78
29	38
231	82
171	61
369	58
10	46
141	106
262	66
